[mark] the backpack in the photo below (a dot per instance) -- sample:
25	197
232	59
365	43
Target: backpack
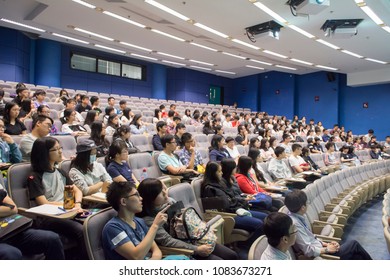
188	226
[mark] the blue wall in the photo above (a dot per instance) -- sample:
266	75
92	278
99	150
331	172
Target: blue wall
277	93
358	119
246	92
48	63
327	107
194	86
14	56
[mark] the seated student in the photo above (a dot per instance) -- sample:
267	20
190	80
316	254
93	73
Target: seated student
92	116
154	198
69	124
46	185
29	241
9	150
189	156
375	152
87	174
281	234
217	152
386	145
98	135
127	116
330	157
112	124
278	168
84	105
161	128
45	110
127	237
116	162
214	186
180	130
266	151
346	157
41	127
307	244
207	129
168	162
95	104
242	137
123	133
231	148
13	126
299	165
285	143
317	147
137	126
313	166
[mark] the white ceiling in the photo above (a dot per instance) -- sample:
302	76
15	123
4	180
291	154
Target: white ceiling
230	17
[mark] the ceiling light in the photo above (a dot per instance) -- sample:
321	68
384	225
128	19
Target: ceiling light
226	72
326	67
328	44
124	19
110	49
201	68
372	15
353	54
245	44
168	35
359	1
233	55
275	54
170	55
285	67
70	38
143	56
254	67
84	4
270	12
22	25
204	47
135	46
299	30
261	62
302	61
201	62
211	30
375	60
166	9
175	63
386	28
93	34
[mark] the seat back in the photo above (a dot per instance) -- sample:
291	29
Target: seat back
17	184
141	142
68	144
185	193
139	161
257	248
92	230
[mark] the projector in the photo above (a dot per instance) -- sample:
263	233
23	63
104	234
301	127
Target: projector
344	33
266	29
309	7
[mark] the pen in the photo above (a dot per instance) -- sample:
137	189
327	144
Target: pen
62	209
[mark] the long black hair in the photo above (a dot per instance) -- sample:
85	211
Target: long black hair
149	189
40	154
254	154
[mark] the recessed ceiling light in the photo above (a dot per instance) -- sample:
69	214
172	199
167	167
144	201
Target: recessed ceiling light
124	19
326	67
201	68
84	4
286	67
174	63
135	46
203	47
168	35
209	29
201	62
110	49
93	34
233	55
22	25
70	38
226	72
254	67
302	61
166	9
275	54
143	56
245	44
171	55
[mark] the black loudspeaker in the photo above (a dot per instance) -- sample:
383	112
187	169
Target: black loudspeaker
331	76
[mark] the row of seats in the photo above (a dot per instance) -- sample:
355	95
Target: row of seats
386	218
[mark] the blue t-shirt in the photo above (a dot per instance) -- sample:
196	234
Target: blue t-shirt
117	232
115	169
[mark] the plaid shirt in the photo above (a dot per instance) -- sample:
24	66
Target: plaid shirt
185	156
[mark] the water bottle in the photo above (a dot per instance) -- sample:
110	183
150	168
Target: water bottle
144	174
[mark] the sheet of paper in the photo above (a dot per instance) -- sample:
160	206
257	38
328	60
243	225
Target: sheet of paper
47	209
99	195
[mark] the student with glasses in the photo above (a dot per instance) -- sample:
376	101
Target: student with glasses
41	127
9	150
281	234
125	236
46	185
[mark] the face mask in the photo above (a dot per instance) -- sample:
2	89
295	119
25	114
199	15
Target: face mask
92	159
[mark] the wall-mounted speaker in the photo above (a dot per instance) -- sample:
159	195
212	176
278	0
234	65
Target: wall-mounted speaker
330	76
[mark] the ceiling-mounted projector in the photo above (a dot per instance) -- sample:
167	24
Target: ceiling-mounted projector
309	7
269	28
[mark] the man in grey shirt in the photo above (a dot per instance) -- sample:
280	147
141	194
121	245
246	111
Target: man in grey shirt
41	127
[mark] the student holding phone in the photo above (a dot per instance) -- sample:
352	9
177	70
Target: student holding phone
126	237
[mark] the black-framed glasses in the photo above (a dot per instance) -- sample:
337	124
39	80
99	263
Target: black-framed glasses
172	142
134	194
56	149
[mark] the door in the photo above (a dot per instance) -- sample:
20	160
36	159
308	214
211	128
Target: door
215	95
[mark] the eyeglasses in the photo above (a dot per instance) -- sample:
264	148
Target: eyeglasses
56	149
172	142
294	232
135	194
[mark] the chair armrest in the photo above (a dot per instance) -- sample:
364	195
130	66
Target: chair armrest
329	257
322	223
223	214
175	251
327	239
